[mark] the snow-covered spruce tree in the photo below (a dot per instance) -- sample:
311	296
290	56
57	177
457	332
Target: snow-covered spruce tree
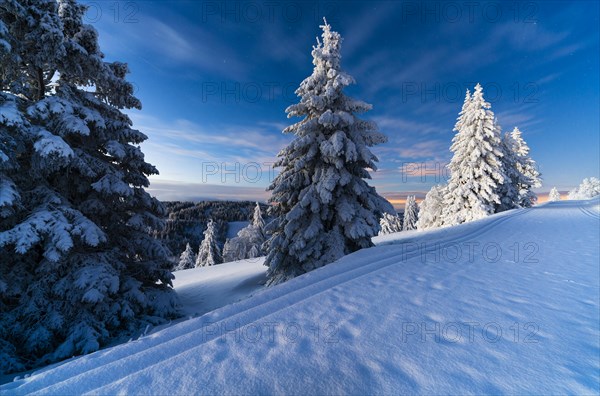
430	210
257	218
589	188
209	253
254	234
529	176
323	208
233	250
508	190
249	240
252	237
476	168
254	252
410	214
390	223
187	259
520	171
77	264
554	195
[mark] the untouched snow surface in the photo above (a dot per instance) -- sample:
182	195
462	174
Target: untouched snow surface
205	289
507	304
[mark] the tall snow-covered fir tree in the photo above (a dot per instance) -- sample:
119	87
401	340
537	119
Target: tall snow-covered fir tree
322	206
209	253
410	214
430	210
476	168
529	176
554	195
390	223
78	266
187	259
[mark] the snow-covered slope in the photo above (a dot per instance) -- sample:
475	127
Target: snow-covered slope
205	289
508	304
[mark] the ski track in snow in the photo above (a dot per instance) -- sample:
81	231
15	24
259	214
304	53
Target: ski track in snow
387	320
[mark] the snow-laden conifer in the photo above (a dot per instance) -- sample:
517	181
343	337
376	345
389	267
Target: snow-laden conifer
257	218
390	223
554	195
430	210
589	188
410	214
527	167
78	266
249	240
209	252
247	244
508	190
187	259
521	174
233	250
322	206
476	168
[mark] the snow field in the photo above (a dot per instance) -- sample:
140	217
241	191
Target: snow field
383	321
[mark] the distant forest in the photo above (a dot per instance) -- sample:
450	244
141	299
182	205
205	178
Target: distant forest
186	221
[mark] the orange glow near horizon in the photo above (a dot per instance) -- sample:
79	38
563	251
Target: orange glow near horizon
543	197
398	203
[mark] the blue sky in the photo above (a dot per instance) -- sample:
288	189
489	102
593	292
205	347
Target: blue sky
215	77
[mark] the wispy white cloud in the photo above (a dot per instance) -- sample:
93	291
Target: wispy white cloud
398	126
183	150
282	45
549	78
429	150
220	142
442	60
525	117
411	140
170	43
373	16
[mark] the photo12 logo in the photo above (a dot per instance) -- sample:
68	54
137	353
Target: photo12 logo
113	11
270	332
235	92
469	11
470	332
470	252
237	172
270	11
454	92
